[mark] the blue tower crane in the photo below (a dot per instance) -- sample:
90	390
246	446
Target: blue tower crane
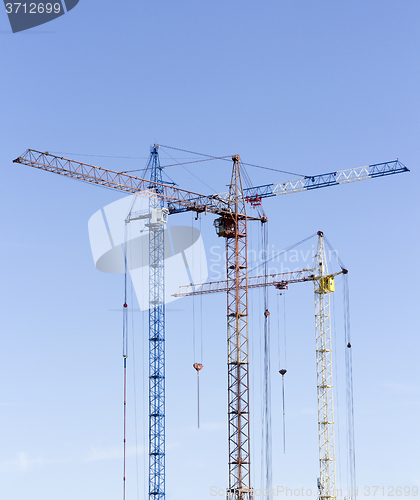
157	219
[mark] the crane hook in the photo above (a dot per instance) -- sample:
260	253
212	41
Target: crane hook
198	367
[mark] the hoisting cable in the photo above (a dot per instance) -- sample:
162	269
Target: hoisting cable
189	171
135	399
143	170
192	279
192	161
127	252
337	390
248	183
350	441
125	350
229	159
201	303
260	327
267	375
337	258
129	301
349	393
144	384
282	371
101	156
280	252
197	366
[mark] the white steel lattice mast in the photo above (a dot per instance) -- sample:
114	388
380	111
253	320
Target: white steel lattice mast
324	285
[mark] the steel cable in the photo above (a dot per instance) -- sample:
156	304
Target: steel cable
349	393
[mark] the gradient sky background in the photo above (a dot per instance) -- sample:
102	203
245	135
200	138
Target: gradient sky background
304	86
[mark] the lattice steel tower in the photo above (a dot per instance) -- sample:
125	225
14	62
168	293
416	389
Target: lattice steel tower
324	285
156	225
237	323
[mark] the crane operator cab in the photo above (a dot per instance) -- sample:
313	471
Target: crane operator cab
159	215
326	285
225	227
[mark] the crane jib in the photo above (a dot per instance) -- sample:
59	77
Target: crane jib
313	182
316	181
325	180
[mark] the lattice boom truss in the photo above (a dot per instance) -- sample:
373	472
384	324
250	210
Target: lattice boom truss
280	280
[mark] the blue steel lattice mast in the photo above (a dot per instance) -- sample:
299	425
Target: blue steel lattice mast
157	219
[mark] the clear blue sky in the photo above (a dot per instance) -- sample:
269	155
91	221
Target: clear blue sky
304	86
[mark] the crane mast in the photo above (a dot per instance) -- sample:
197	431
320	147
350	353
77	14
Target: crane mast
237	325
156	227
323	286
